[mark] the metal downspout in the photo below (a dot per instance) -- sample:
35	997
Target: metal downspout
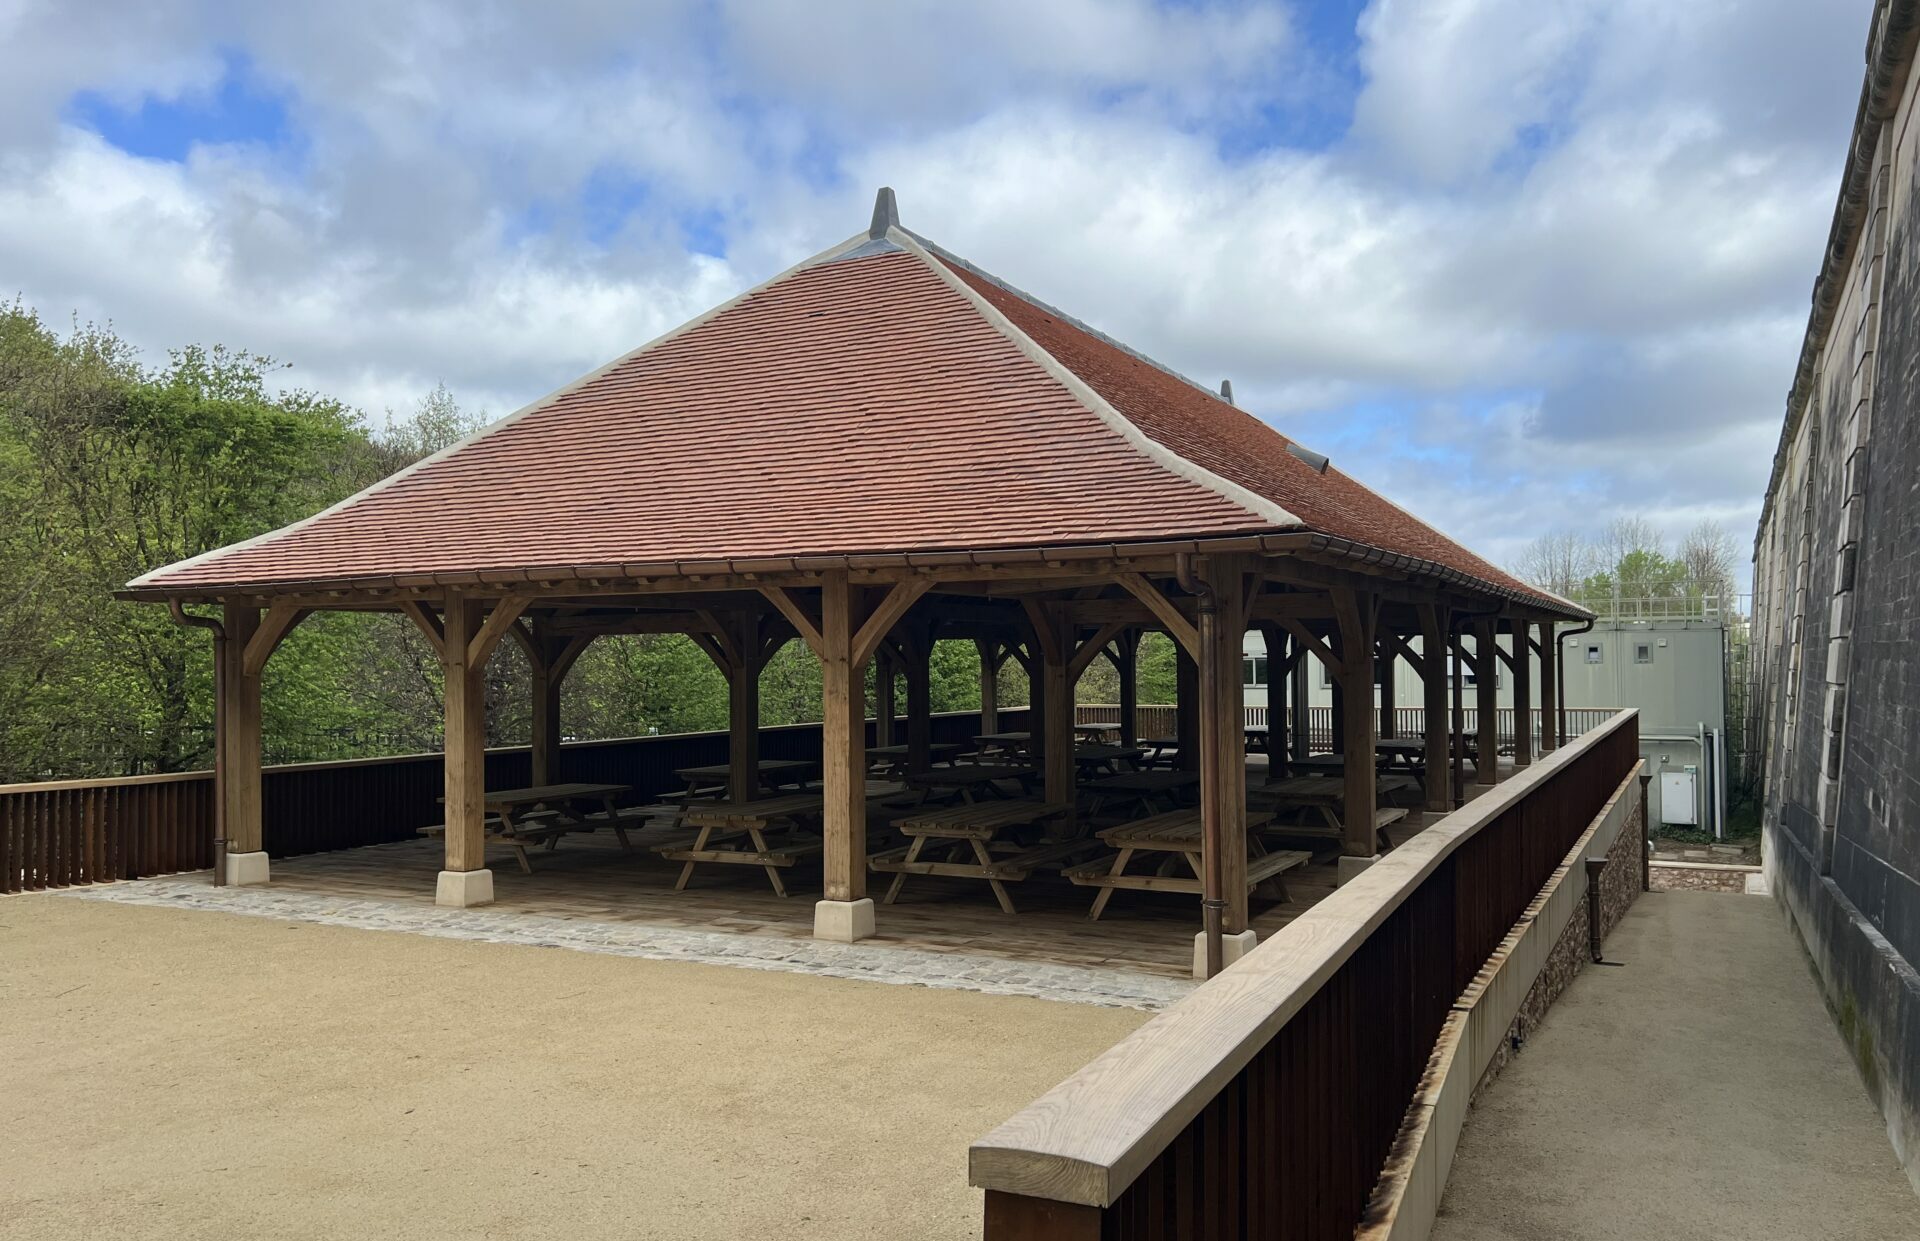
1560	681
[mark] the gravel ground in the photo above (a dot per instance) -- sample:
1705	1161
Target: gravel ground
180	1073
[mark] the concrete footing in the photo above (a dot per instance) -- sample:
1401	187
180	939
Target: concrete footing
1232	948
246	868
1349	867
843	922
460	889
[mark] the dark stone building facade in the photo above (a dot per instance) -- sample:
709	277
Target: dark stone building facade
1835	703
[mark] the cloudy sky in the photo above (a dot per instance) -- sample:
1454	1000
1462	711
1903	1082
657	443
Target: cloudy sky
1517	263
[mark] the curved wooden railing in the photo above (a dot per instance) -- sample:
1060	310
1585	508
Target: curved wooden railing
1267	1103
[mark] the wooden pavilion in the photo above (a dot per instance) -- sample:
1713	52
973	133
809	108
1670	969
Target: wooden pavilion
882	446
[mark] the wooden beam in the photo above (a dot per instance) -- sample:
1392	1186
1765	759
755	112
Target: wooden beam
1091	649
1177	625
718	638
804	622
499	620
559	665
1308	642
536	654
884	617
1046	626
426	622
274	627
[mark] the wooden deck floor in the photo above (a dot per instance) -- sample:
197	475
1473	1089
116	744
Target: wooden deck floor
590	877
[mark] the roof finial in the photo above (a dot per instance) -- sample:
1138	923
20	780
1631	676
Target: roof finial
886	213
1226	391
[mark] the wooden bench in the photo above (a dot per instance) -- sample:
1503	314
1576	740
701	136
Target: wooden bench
974	827
1383	818
529	830
1177	833
721	825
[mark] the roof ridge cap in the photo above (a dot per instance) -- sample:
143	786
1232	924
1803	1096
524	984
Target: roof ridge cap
532	407
940	251
1083	392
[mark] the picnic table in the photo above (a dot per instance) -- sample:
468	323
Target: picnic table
1097	730
891	760
1326	798
976	829
967	779
1259	738
1161	751
1109	760
722	824
718	777
543	813
1141	788
1004	745
1177	834
1408	752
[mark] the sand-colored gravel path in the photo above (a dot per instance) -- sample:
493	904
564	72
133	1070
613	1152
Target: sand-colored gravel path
175	1074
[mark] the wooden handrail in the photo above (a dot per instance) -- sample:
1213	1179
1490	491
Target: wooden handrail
1087	1139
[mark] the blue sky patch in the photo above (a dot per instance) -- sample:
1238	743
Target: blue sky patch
241	109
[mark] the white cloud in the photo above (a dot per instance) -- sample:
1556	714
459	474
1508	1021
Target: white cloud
1561	258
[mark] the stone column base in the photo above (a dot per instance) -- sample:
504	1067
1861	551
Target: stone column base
1349	867
460	889
244	869
1232	948
843	922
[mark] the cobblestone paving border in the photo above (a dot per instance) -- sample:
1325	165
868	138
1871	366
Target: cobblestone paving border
866	962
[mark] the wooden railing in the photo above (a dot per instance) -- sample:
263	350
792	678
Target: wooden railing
1157	720
1266	1104
69	832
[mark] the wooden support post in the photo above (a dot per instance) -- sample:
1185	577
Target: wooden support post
1354	614
1438	776
1459	726
1486	703
1223	776
1186	709
1127	664
917	645
1522	693
1549	718
1341	654
1278	733
744	647
843	767
544	690
1054	732
1300	699
239	751
464	879
989	684
883	697
1389	666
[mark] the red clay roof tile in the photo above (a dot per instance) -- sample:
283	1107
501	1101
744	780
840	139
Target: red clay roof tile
853	406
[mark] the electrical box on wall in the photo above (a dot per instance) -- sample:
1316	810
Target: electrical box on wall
1677	803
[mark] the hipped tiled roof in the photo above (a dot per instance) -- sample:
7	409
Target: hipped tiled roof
879	398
